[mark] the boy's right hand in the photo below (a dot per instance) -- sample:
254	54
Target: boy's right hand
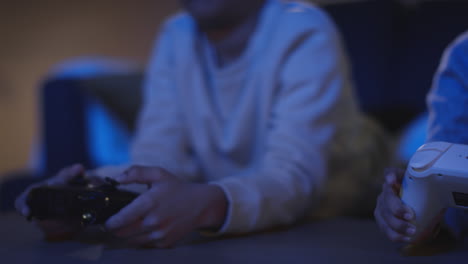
53	229
393	217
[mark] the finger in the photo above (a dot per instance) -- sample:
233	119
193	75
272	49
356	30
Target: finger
387	220
136	210
20	202
155	230
390	176
61	178
394	175
133	229
395	187
173	236
66	174
401	226
380	213
388	231
162	238
143	175
148	239
149	223
395	236
380	220
176	229
409	213
152	221
394	204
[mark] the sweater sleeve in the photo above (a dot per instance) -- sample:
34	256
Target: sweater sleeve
161	138
448	120
448	98
306	113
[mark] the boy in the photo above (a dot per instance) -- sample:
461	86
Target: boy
249	123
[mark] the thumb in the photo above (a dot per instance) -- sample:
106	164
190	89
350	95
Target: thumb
390	177
143	175
394	176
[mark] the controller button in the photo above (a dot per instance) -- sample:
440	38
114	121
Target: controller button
423	159
88	218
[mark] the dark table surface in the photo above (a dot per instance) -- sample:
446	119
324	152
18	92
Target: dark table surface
335	241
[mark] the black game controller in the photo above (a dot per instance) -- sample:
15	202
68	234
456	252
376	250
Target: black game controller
81	201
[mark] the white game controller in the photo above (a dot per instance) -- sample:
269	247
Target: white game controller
436	178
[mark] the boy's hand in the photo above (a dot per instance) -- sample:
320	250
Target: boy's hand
393	217
53	230
168	211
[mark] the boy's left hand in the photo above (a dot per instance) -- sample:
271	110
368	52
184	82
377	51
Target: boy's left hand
168	211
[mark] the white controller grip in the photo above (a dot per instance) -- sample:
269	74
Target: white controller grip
416	193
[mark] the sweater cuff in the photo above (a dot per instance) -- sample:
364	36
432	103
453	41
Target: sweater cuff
229	211
236	220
